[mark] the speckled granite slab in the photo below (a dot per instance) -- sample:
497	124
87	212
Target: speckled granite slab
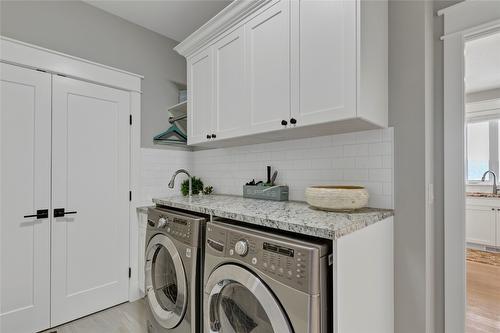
143	209
483	195
289	215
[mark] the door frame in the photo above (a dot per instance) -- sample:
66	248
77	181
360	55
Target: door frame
30	56
462	22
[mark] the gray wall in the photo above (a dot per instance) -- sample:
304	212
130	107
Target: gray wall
407	107
416	112
78	29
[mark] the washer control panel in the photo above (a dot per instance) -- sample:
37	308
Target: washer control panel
282	258
175	224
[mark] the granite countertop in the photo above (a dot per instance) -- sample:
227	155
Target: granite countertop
292	216
483	195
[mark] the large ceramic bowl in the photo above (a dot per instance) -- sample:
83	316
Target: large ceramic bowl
334	198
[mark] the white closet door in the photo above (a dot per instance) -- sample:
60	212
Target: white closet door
24	189
90	173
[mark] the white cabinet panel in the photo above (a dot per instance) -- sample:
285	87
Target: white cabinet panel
317	65
497	229
323	60
480	224
90	175
25	188
268	56
200	96
231	94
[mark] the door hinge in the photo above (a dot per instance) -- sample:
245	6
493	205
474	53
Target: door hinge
130	119
129	195
129	272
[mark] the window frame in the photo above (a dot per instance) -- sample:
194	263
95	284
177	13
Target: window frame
481	112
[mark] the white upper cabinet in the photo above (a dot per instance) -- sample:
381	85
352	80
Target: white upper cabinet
268	58
287	69
200	96
324	61
231	111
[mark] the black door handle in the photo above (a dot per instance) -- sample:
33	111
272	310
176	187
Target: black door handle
208	136
293	121
214	136
59	212
40	214
284	122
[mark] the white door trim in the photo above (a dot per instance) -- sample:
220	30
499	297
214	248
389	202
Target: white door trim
28	55
462	22
35	57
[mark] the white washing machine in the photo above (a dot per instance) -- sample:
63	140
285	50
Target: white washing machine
173	266
260	282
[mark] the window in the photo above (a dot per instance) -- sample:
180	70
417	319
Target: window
478	149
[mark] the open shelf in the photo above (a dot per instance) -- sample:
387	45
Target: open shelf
179	107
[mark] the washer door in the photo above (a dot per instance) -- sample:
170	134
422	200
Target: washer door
165	281
239	302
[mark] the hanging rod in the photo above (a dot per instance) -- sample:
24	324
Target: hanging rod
174	119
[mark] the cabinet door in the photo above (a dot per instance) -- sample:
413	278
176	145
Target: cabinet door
268	58
231	94
323	61
200	96
90	176
480	224
497	229
25	188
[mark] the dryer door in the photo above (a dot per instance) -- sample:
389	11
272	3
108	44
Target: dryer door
238	301
166	285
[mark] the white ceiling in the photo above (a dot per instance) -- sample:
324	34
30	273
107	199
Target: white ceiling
482	63
175	19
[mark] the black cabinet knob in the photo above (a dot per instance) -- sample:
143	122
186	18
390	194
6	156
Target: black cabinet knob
284	122
293	121
213	136
208	136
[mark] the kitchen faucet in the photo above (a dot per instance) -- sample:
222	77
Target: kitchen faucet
495	190
172	180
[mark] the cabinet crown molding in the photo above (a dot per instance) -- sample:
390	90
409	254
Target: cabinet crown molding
224	20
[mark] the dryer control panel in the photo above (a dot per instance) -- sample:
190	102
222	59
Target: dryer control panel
293	262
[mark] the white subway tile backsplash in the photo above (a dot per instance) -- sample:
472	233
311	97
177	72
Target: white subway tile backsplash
364	158
380	175
356	174
369	136
356	150
371	162
382	148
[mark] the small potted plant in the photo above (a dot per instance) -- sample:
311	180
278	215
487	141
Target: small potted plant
197	186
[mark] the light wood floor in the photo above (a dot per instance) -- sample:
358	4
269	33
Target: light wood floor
124	318
483	310
483	298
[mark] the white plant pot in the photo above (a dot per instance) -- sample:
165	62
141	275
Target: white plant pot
334	198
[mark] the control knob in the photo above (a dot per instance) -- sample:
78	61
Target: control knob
162	222
241	247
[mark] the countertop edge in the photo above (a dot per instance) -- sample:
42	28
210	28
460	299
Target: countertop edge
326	233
